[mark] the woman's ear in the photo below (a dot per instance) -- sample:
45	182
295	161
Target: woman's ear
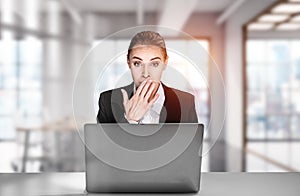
128	63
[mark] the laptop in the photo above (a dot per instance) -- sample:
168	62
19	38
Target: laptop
152	158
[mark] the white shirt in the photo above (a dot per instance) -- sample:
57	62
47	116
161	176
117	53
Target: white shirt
153	114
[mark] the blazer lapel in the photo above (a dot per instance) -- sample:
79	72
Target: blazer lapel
171	110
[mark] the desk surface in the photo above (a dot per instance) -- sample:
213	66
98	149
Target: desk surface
211	184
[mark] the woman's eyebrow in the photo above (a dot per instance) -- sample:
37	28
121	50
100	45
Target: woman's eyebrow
155	58
135	57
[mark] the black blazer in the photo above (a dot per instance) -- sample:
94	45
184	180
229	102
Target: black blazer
179	106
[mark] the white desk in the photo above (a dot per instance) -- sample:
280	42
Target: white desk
254	184
57	127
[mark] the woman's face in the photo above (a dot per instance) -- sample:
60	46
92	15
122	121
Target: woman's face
146	62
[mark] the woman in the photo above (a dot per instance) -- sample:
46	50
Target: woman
147	99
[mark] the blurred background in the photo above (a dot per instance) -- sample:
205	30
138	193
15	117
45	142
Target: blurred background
255	44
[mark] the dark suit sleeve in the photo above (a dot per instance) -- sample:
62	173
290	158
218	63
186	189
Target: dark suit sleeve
111	111
102	116
192	111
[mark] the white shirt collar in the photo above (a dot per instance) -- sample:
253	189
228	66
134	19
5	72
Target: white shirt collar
158	104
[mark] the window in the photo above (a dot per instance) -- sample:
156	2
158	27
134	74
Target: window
273	91
20	83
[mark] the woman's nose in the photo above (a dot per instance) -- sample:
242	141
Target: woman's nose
145	71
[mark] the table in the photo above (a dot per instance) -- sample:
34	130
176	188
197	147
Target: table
57	126
52	184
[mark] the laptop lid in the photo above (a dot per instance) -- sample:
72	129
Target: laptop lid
143	158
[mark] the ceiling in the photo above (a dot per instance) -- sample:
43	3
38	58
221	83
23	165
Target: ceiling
148	5
281	16
168	10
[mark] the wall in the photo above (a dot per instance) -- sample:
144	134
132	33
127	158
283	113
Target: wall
204	25
234	80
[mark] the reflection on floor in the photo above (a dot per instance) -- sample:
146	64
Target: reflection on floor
260	157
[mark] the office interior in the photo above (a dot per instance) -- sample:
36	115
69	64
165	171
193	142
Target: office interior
254	44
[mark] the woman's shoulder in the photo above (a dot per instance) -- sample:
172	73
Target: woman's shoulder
179	93
116	91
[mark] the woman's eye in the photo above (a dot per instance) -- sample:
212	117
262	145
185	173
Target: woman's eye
137	64
155	64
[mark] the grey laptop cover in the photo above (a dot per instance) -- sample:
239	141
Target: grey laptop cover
135	158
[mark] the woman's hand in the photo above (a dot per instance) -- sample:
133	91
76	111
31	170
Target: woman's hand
138	105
